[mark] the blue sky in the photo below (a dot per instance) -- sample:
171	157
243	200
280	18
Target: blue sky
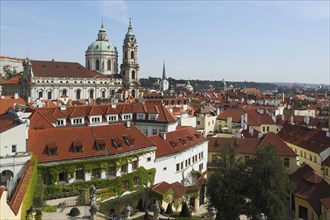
261	41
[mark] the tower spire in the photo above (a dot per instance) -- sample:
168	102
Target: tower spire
102	24
164	73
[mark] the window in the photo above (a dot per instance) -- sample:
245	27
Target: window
310	157
60	122
246	158
77	121
127	117
64	92
91	93
117	143
286	162
201	167
182	141
88	65
97	64
173	144
148	159
13	148
165	168
152	116
80	175
196	157
95	119
181	165
189	161
177	167
96	174
267	128
100	144
109	64
78	94
214	158
40	94
198	122
301	153
112	171
123	168
63	177
112	118
135	165
129	140
103	94
305	154
136	181
193	159
154	131
140	116
263	129
326	171
125	55
132	54
186	163
133	74
77	146
49	95
189	138
52	151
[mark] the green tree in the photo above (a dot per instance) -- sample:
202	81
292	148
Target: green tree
269	184
225	187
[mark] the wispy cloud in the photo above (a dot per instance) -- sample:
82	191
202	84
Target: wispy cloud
116	10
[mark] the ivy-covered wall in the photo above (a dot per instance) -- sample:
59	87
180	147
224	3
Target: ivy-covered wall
111	187
28	196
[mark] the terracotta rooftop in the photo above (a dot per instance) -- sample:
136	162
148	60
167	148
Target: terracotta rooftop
65	138
314	140
8	121
234	113
62	69
7	102
310	187
177	141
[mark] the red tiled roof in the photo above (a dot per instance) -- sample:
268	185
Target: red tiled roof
310	139
8	121
250	145
64	138
235	113
255	118
17	199
14	80
166	147
8	102
281	148
11	58
326	202
62	69
310	187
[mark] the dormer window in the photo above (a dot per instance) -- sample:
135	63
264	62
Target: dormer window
129	140
77	146
153	117
52	149
173	143
96	119
112	118
182	141
197	136
60	122
117	143
77	121
126	117
190	138
141	116
100	144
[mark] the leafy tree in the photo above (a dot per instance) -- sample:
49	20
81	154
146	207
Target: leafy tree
269	184
225	187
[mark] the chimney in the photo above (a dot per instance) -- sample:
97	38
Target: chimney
16	95
242	121
251	131
63	108
245	120
307	120
163	135
128	124
327	134
292	120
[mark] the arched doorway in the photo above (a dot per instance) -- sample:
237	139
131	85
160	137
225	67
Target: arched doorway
4	176
133	93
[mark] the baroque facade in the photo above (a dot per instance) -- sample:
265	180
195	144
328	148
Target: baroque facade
100	77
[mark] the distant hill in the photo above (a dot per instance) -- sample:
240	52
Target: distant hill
153	83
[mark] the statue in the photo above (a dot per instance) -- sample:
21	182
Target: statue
156	210
94	208
128	210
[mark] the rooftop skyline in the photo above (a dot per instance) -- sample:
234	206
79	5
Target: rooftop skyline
261	41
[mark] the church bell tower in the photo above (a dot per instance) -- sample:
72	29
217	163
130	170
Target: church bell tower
130	66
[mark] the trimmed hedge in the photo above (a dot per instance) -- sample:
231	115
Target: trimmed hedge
185	211
169	209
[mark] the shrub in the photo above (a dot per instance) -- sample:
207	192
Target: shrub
74	212
185	210
38	215
49	208
169	209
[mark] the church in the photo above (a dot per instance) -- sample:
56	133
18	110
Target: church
100	78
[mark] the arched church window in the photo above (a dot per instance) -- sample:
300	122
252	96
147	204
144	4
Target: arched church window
40	94
109	64
97	65
133	74
64	92
125	54
78	94
88	65
132	54
91	93
133	93
103	94
49	95
112	92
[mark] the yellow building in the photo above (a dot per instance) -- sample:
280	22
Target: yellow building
311	196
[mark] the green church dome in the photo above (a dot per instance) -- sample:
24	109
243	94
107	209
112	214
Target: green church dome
101	45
